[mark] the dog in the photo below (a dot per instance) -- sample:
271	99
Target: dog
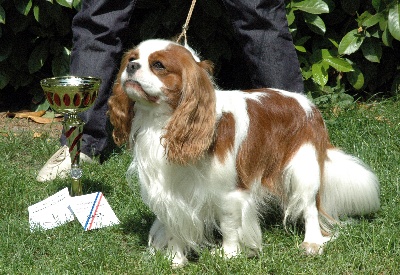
209	159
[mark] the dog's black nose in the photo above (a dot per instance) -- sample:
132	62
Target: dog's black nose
132	67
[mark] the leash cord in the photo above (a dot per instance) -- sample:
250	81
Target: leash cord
185	26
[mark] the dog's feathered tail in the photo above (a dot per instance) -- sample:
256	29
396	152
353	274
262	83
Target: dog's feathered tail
349	188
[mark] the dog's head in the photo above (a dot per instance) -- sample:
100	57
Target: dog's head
165	76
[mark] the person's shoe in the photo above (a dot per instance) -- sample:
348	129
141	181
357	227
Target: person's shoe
59	165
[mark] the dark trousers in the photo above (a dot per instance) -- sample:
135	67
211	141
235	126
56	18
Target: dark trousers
260	26
97	50
263	34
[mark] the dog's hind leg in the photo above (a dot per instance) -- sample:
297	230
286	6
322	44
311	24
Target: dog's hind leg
302	183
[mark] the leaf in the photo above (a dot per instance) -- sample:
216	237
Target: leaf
362	17
315	23
45	120
312	6
372	50
38	57
300	49
45	105
394	21
325	54
383	24
60	63
65	3
319	74
38	116
333	42
341	65
351	42
36	13
356	78
2	15
387	38
26	114
306	74
77	4
290	17
302	40
318	55
23	6
373	20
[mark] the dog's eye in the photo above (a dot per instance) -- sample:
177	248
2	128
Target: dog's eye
158	65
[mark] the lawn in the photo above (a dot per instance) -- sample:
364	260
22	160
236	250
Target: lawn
366	246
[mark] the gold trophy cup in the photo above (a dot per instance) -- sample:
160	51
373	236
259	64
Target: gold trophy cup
71	95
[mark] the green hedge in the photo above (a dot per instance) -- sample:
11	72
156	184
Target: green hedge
346	48
35	42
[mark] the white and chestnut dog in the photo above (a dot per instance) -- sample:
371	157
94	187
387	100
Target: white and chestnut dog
209	159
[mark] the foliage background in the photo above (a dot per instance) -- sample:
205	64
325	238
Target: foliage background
347	49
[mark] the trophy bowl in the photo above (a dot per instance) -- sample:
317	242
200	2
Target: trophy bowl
70	94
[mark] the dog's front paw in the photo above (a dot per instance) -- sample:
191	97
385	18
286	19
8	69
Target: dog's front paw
312	248
179	261
226	252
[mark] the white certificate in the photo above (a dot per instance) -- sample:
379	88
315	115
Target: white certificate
51	212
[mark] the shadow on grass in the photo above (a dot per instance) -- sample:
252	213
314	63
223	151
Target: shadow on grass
138	225
91	186
88	186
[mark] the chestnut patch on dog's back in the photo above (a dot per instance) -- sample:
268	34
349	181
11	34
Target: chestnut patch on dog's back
225	136
277	129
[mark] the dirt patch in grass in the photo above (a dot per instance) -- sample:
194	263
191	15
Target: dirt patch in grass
20	101
16	126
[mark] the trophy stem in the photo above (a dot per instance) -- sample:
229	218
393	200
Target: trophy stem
73	127
76	187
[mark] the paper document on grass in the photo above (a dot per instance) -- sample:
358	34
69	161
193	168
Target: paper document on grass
51	212
93	211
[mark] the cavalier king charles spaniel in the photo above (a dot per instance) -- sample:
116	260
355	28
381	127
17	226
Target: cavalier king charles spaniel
208	159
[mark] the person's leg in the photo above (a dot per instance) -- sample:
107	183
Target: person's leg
262	31
96	51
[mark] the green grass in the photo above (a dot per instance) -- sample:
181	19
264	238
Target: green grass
368	246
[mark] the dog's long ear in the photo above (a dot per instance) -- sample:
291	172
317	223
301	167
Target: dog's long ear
121	108
189	133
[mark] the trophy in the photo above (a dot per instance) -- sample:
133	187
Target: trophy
71	95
